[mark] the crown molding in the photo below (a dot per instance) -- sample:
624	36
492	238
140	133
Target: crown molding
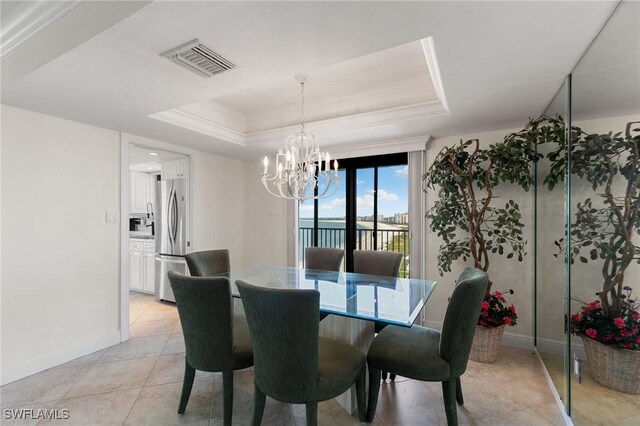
408	92
195	123
353	122
30	18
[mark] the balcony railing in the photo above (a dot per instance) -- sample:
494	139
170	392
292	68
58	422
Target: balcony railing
387	239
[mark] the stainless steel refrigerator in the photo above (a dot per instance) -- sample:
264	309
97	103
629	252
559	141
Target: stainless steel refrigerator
171	234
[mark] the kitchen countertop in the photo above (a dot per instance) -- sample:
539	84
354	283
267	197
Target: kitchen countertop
145	237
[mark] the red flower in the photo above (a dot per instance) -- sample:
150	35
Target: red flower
629	345
485	305
576	317
591	333
507	320
512	309
619	322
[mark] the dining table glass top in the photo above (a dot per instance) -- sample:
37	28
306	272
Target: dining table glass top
396	301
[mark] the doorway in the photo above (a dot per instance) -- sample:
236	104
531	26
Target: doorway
147	167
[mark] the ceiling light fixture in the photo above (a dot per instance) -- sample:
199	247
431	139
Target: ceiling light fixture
153	153
299	173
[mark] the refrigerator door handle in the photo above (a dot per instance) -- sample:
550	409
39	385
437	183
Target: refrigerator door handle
170	212
174	200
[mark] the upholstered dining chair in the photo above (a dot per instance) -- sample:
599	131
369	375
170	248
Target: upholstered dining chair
382	263
323	258
209	262
292	363
215	339
424	354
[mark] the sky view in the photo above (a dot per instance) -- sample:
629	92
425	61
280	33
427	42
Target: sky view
392	194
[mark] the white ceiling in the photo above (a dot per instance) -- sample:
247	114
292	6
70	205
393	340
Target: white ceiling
499	62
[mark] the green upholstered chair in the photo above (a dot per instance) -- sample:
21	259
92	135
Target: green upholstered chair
323	258
292	363
382	263
215	340
377	262
421	353
209	262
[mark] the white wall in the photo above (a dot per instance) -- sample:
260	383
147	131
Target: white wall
60	263
266	226
505	273
218	205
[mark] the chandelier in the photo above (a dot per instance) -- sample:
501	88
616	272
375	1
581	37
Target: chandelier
301	171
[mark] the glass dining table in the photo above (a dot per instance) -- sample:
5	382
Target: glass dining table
396	301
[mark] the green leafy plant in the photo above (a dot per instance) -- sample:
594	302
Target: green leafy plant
466	215
605	227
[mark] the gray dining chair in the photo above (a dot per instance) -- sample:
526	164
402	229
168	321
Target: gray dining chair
215	340
323	258
209	262
382	263
429	355
292	363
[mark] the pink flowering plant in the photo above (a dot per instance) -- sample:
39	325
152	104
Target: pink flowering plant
622	331
495	312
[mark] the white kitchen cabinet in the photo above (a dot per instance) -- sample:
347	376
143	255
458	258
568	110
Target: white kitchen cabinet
140	192
174	169
142	265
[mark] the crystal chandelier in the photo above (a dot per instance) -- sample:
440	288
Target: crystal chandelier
299	173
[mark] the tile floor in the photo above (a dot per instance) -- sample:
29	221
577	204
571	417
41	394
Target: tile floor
592	403
139	382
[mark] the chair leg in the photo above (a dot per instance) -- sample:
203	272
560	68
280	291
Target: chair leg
459	396
227	391
384	375
187	384
392	377
259	399
360	393
374	390
449	396
312	413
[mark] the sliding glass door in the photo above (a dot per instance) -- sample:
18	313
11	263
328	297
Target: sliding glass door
368	212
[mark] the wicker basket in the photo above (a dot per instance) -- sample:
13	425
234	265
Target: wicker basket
612	367
486	343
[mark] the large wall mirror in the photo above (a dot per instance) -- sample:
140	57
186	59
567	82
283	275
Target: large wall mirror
599	101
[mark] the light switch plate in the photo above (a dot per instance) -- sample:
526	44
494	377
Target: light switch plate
112	217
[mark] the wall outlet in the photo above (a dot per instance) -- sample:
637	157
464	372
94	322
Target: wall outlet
112	217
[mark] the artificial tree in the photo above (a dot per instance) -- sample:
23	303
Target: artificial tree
605	229
466	215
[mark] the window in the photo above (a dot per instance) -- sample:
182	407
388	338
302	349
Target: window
369	211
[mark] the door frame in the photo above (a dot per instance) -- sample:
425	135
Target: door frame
126	140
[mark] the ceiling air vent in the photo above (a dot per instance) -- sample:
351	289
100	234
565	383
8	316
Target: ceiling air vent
198	58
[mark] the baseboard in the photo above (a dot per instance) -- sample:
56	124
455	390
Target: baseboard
512	340
556	347
54	359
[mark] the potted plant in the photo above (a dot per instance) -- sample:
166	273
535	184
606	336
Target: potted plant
471	224
604	229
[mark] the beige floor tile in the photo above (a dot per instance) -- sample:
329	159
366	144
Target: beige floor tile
105	377
175	345
26	415
49	385
109	408
157	405
86	360
329	413
635	421
170	369
138	347
152	328
151	314
526	417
